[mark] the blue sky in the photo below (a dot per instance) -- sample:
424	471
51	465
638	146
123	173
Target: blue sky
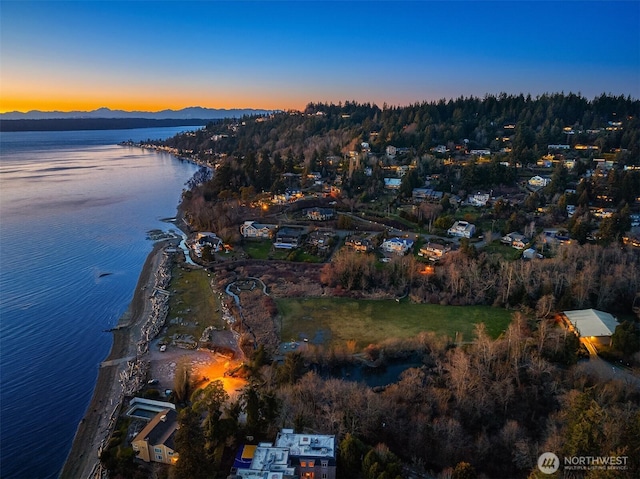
156	55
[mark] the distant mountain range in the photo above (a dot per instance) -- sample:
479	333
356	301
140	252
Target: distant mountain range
106	113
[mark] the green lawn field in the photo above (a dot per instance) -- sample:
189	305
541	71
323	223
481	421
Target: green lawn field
337	320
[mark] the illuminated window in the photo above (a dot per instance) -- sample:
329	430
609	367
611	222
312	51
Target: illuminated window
303	463
311	463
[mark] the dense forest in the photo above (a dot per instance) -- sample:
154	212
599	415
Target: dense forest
531	124
488	409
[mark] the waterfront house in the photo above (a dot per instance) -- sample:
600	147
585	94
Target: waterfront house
462	229
155	443
207	239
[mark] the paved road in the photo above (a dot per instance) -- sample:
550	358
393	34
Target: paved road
605	370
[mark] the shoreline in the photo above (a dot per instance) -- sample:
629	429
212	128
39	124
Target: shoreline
94	428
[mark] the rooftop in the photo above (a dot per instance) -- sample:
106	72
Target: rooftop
591	322
160	429
306	445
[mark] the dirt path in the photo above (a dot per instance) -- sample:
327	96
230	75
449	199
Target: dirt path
82	461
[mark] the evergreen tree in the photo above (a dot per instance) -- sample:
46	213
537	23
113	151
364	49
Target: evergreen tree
190	445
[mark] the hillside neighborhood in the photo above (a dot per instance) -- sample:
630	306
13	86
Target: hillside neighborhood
487	249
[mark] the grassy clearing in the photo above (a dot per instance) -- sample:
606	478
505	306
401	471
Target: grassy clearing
337	320
265	250
258	249
193	302
507	252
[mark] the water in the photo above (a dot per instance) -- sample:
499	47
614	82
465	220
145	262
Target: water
73	206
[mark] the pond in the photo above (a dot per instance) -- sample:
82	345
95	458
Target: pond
374	377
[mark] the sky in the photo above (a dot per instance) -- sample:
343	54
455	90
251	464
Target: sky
148	55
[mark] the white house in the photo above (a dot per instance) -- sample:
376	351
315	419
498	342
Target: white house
204	239
539	181
253	229
396	245
462	229
440	149
479	199
483	152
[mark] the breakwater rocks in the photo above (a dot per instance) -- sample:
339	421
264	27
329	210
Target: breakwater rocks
159	302
133	377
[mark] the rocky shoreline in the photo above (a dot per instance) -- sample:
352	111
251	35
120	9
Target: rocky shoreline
124	368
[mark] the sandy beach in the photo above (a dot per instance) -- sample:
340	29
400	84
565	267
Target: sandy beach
82	461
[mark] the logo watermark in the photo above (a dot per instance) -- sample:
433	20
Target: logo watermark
549	463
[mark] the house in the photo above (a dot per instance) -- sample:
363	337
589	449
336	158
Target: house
319	214
479	199
312	455
396	245
361	245
253	229
391	151
263	461
538	181
392	183
554	237
482	152
596	326
207	239
420	194
439	149
321	239
402	170
434	251
531	253
426	194
155	443
462	229
288	238
515	240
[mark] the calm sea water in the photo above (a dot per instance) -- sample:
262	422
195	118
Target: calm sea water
73	205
